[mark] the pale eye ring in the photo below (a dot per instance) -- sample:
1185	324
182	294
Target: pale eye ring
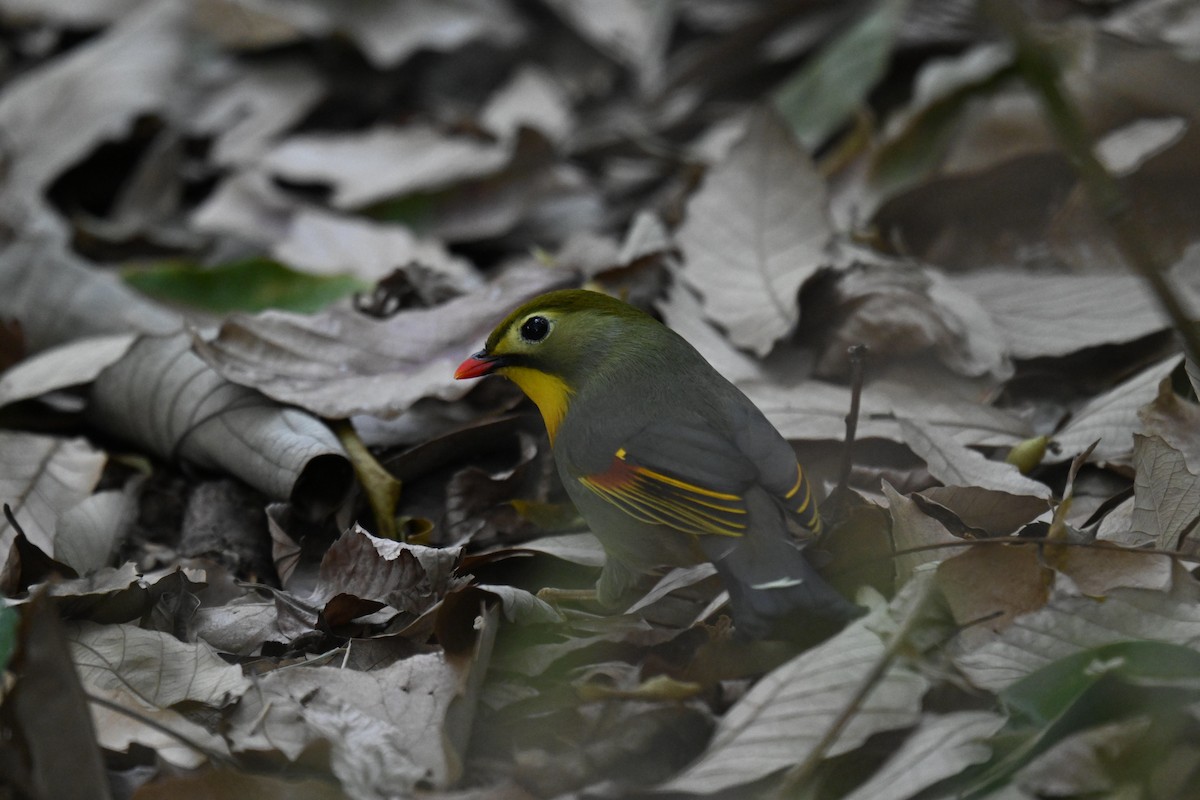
535	329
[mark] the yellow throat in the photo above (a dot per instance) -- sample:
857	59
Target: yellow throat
548	392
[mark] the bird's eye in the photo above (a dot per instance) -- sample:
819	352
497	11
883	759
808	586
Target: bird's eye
535	329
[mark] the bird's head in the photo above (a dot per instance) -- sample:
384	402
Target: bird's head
552	344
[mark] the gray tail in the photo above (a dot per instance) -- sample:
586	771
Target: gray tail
770	581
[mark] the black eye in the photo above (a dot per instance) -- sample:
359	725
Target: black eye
535	329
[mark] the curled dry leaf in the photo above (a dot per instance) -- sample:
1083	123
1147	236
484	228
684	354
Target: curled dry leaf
162	397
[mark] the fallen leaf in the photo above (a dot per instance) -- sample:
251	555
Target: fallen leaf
956	465
340	363
384	162
1111	417
132	68
834	83
1166	498
755	232
41	478
71	364
942	745
1056	315
785	714
1070	623
162	397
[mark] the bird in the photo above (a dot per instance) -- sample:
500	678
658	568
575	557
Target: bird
667	462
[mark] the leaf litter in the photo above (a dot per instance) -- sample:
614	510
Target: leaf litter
183	554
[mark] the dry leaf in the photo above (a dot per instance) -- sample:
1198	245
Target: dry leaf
755	232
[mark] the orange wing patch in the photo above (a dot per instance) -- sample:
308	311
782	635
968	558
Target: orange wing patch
660	499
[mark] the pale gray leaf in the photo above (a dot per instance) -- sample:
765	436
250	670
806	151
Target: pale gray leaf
1070	623
340	363
1117	527
677	578
254	105
941	746
148	672
682	312
238	628
1125	149
322	243
533	99
913	528
1166	494
778	722
54	114
390	32
1111	417
755	232
58	297
69	13
71	364
814	409
386	726
41	477
1176	420
634	33
155	667
520	606
956	465
88	534
1056	315
162	397
577	548
380	163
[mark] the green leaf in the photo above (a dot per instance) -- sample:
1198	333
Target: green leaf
820	97
1047	694
8	636
1081	692
251	285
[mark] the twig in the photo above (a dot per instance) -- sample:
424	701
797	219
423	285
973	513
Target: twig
215	756
800	773
1041	74
858	355
1040	541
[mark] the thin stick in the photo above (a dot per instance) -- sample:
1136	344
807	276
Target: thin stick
1041	74
858	356
800	773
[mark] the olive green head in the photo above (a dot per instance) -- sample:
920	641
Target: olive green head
550	345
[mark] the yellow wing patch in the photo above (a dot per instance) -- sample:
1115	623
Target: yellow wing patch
660	499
